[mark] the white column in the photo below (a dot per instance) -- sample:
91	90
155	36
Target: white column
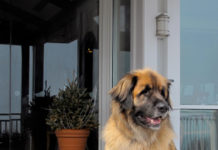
173	63
143	34
105	63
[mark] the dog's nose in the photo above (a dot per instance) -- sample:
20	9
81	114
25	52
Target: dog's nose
162	107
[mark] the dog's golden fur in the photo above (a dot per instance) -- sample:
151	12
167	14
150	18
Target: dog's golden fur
121	133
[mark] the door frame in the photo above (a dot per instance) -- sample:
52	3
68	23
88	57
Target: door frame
105	63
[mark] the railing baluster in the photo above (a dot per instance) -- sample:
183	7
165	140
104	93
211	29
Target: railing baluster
197	129
0	127
5	124
16	126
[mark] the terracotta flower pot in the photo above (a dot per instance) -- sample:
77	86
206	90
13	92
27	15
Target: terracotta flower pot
69	139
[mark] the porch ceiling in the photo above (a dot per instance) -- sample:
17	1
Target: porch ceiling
34	18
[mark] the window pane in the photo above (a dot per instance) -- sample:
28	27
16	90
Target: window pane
121	39
199	129
16	95
60	63
4	78
10	105
4	95
16	68
199	51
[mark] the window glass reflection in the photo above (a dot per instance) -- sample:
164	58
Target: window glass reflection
4	79
60	64
199	51
121	39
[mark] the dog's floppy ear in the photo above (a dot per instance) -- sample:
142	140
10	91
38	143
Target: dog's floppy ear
122	92
169	82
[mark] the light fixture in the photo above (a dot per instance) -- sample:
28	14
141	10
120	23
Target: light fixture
162	25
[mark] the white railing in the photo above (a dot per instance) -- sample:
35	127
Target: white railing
198	130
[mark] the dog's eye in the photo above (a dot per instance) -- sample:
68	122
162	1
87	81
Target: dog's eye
146	90
163	92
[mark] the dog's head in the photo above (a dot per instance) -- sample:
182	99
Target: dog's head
144	97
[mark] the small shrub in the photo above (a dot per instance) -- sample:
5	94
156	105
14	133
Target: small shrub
72	108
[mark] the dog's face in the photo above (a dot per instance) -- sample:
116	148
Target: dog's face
144	97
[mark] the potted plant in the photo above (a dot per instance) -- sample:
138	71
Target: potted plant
71	116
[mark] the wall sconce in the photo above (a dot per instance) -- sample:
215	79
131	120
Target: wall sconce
162	26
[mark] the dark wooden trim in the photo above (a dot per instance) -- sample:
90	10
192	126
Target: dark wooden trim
38	67
24	82
25	70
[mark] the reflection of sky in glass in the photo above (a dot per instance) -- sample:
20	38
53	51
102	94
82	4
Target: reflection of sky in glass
15	76
199	52
16	79
60	63
4	78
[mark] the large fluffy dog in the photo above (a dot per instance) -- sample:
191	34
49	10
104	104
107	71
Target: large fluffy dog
140	113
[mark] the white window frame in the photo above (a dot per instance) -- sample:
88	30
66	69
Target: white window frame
174	64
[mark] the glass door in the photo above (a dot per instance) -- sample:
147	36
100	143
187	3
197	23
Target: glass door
199	75
16	99
4	92
11	131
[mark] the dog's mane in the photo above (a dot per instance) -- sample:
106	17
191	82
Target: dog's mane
119	129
